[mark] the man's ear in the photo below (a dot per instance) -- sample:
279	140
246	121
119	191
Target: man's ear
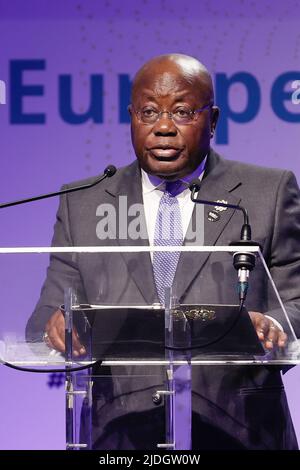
129	109
215	113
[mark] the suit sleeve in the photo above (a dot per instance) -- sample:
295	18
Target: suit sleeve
284	256
62	272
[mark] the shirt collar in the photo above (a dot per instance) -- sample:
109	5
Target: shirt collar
151	183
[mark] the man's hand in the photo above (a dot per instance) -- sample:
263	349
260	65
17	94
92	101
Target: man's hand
267	331
55	335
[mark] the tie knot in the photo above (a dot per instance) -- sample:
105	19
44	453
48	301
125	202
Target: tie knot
174	187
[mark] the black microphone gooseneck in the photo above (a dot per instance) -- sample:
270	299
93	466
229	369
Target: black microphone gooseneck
243	261
109	171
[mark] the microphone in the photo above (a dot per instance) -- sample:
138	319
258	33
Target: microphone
109	171
244	262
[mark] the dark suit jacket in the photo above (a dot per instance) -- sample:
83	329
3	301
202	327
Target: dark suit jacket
236	407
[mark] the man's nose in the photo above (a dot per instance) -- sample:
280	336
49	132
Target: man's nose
165	125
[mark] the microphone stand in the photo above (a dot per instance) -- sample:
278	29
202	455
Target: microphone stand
109	171
243	262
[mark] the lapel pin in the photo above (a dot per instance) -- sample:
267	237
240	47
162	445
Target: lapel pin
213	216
221	208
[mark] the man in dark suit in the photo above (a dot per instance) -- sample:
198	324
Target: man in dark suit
173	119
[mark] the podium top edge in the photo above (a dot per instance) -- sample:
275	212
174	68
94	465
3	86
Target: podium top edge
126	249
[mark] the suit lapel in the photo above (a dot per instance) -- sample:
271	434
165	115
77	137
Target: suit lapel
218	184
139	265
210	190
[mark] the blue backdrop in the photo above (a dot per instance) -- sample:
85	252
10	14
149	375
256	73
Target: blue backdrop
65	71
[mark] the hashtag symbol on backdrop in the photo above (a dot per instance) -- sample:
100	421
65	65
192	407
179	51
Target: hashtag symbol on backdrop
56	380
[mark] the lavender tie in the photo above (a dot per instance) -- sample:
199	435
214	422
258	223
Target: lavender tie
168	232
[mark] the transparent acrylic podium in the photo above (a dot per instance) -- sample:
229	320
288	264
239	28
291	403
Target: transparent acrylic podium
135	373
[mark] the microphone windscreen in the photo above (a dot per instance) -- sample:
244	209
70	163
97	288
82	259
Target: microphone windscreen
195	185
110	170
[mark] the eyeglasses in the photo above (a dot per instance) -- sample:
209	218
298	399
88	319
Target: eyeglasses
182	115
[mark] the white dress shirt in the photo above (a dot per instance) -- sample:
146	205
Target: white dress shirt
151	198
